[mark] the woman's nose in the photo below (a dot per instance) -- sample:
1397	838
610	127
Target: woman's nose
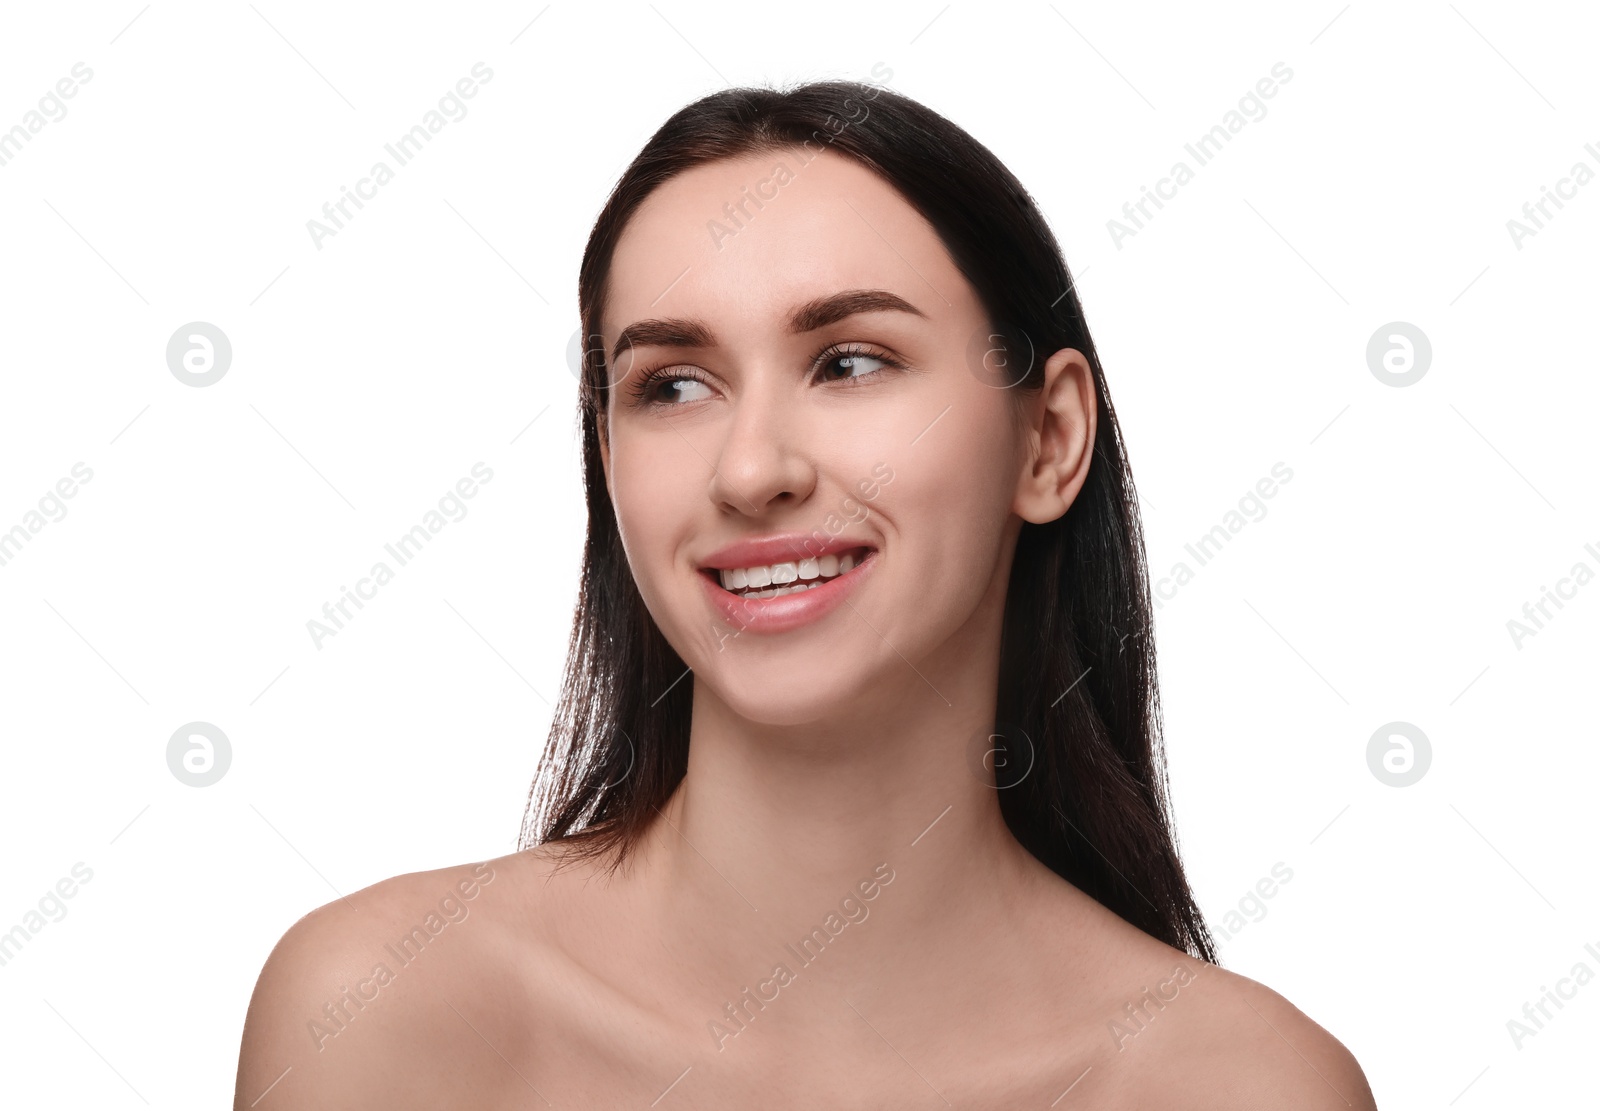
764	456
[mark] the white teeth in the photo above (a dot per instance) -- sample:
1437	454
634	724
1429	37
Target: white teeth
779	590
786	577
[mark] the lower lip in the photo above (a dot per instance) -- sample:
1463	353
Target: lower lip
788	611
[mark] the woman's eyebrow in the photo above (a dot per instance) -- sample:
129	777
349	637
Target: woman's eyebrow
814	314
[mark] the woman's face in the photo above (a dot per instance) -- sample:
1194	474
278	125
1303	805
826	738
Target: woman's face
749	401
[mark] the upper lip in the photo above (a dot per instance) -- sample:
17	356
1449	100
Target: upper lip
761	551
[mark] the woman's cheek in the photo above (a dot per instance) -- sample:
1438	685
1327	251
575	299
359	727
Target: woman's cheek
644	519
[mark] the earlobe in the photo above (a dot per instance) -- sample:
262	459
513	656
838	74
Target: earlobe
1061	432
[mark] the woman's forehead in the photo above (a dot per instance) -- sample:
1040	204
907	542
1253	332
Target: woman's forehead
754	236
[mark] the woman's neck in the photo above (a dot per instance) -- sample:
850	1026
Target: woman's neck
775	829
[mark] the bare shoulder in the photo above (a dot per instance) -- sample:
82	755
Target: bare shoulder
1232	1042
356	1006
1149	1025
1285	1054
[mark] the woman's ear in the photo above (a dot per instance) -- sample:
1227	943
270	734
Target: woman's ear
1060	431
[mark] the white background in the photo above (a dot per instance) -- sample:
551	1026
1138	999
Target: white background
369	375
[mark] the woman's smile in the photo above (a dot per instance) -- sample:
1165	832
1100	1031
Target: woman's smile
784	595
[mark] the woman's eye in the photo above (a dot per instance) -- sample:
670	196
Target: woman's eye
853	365
665	389
668	390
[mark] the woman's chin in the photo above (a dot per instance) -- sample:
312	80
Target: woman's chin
781	697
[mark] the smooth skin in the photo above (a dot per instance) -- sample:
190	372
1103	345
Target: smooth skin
825	762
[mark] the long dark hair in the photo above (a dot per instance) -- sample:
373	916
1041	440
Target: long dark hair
1077	666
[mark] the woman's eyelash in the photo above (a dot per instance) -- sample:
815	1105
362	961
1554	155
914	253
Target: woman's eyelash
642	386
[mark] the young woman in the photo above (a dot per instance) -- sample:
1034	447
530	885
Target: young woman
853	796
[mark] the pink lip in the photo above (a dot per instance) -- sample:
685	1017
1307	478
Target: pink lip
789	611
